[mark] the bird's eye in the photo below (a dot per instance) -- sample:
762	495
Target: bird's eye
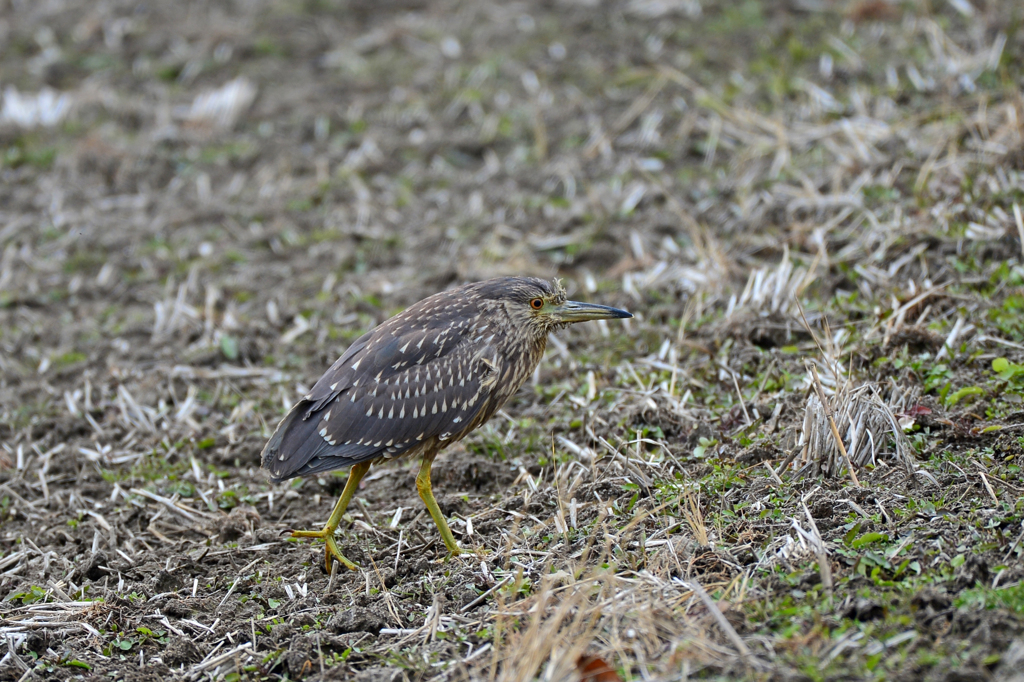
537	303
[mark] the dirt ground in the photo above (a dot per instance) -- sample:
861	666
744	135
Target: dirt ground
203	203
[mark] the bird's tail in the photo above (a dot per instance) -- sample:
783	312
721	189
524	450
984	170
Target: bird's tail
272	459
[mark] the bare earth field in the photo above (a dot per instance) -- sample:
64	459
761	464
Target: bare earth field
203	203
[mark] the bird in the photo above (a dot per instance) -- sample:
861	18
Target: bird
417	383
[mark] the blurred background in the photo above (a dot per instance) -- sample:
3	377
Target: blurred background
221	181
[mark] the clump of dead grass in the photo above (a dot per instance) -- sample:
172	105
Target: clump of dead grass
869	433
639	623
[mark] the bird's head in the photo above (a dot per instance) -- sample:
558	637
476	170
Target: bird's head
541	306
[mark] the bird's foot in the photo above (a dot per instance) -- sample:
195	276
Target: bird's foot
331	547
452	554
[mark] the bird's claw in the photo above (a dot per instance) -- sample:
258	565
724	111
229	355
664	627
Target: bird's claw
331	551
468	555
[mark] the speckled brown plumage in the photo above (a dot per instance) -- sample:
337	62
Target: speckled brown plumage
424	378
432	373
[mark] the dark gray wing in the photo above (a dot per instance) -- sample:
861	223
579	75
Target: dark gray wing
422	374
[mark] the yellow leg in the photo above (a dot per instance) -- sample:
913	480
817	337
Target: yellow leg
427	495
355	475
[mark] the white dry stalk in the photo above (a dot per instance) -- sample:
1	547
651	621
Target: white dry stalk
866	423
775	290
958	329
171	316
45	108
222	107
1019	221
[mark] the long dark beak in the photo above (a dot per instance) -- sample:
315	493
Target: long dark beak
577	311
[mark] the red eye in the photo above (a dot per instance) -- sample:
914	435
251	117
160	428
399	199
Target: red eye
537	303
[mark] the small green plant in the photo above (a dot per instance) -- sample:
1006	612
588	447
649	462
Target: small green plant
872	558
147	635
119	645
32	595
1008	371
936	377
1010	597
229	347
958	395
704	446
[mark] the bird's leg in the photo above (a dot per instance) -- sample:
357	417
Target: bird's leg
355	475
427	495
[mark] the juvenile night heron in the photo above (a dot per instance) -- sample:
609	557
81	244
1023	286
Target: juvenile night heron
418	382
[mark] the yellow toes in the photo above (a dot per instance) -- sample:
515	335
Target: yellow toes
331	551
